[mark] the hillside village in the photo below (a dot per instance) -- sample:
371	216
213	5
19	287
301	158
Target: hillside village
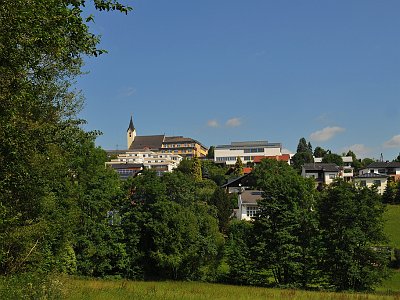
164	154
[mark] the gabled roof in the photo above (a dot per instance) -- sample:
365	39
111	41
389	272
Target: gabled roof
251	196
324	167
372	175
235	181
147	142
384	164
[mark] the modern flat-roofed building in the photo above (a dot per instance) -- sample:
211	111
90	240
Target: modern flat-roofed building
247	151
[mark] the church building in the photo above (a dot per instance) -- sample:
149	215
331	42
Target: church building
183	146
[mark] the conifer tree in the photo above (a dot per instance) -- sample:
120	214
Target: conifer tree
238	168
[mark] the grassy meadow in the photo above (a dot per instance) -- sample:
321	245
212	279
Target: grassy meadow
100	289
392	226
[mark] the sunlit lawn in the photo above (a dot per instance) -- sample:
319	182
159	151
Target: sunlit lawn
102	289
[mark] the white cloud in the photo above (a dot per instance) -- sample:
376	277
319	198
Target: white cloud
393	142
326	134
212	123
127	91
234	122
360	150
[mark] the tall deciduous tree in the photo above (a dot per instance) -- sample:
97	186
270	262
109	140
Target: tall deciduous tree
42	45
352	230
285	229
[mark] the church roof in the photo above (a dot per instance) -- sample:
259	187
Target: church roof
151	142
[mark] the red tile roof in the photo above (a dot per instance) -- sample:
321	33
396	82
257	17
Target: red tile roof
283	157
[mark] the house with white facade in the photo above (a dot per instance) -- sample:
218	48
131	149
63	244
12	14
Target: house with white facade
346	171
160	162
323	173
391	169
379	181
248	204
247	151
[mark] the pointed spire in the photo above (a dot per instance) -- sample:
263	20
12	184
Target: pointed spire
131	127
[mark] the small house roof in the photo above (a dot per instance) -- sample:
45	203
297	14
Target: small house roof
325	167
251	196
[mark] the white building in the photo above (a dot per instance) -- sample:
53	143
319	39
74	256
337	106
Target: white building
379	181
247	151
346	171
161	162
248	204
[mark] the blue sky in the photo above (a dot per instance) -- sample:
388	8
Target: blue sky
222	71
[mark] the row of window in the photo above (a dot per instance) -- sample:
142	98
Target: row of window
253	150
376	183
177	145
177	151
233	158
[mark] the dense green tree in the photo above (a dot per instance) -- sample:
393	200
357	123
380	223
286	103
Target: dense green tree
303	146
285	229
366	162
215	172
223	203
238	253
301	158
185	166
352	229
389	195
42	46
356	164
210	153
397	159
319	152
238	168
333	158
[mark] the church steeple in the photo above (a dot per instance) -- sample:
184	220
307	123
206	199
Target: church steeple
131	127
130	134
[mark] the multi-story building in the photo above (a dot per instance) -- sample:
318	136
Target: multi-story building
132	162
183	146
247	151
346	171
392	169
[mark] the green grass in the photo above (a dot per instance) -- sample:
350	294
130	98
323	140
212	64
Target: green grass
87	289
392	226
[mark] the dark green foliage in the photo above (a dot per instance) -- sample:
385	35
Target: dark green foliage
215	172
210	153
333	158
223	203
319	152
303	146
170	233
396	262
285	230
301	158
238	253
352	227
43	149
389	195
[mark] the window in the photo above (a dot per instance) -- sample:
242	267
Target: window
332	176
363	183
251	211
377	182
